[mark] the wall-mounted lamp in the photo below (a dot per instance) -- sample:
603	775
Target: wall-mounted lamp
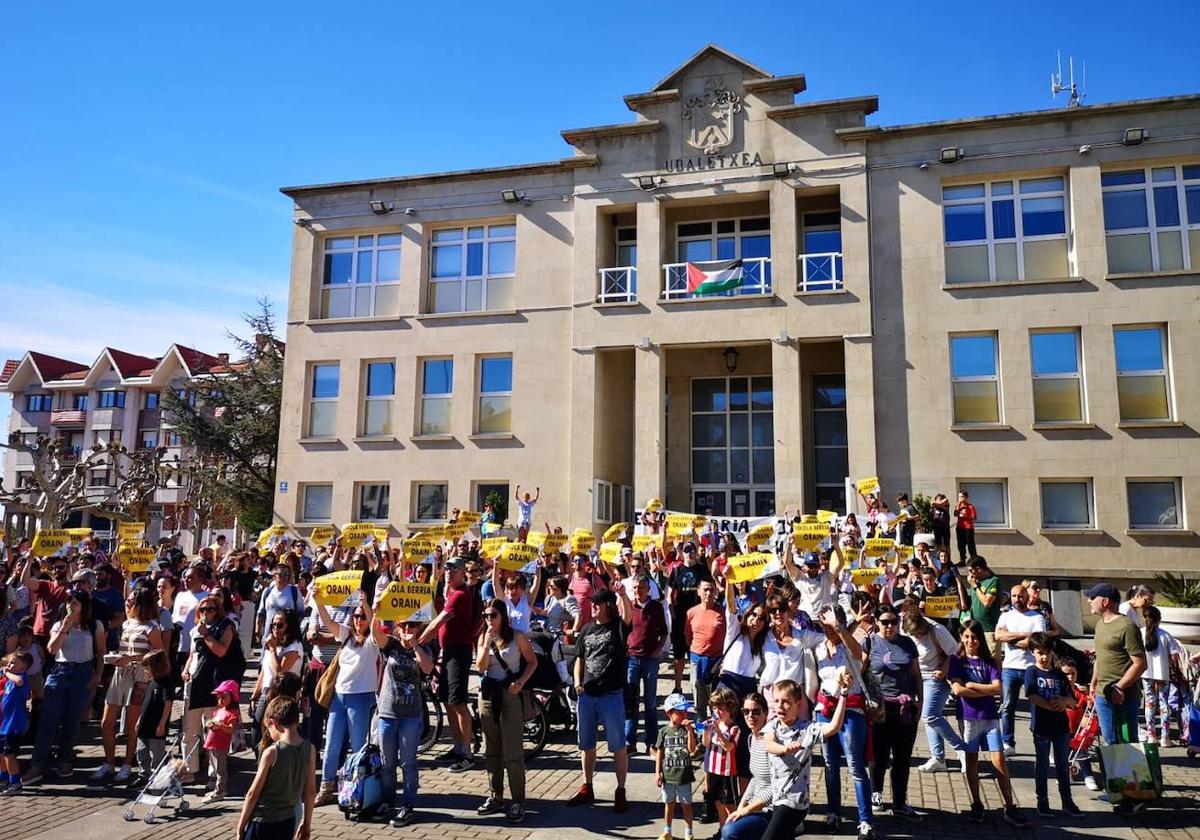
512	196
304	223
382	208
783	337
782	170
950	154
731	357
1134	136
410	211
1085	148
923	165
645	345
649	182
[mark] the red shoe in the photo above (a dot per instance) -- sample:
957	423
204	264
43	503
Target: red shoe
583	796
620	806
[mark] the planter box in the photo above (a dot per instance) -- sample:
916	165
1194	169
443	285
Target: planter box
1181	622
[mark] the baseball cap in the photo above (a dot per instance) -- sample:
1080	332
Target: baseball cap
229	687
84	576
677	703
689	548
812	559
604	596
1104	590
627	551
456	563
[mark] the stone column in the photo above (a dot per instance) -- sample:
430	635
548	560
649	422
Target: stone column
784	246
650	252
582	444
788	421
649	423
860	410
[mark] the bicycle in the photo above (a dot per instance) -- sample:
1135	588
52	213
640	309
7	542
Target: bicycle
536	729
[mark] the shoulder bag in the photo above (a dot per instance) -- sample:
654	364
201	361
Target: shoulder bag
327	684
529	709
870	688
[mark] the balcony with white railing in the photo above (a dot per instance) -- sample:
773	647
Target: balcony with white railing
618	285
819	272
756	279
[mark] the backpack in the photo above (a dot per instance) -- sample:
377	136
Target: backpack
360	785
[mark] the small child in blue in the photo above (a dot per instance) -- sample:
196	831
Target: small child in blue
14	719
1050	695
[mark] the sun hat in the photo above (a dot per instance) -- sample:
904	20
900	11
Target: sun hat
677	703
229	687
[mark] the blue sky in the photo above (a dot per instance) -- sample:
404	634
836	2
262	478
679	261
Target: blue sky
143	144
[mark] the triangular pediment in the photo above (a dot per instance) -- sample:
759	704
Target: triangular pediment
715	55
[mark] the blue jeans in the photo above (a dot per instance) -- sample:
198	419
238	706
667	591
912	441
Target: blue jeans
63	703
1012	680
398	741
607	709
933	712
1043	745
349	718
849	745
642	676
749	827
1108	714
701	666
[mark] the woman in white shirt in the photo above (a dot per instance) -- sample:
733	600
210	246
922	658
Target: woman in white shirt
281	653
355	686
784	651
1156	679
935	645
1137	598
744	641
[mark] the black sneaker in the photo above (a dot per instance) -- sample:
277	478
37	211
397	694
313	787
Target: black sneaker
975	815
491	805
403	816
908	812
462	765
451	754
515	813
1043	810
1013	817
1072	810
865	831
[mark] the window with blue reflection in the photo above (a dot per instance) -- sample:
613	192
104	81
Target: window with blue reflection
381	379
1139	349
438	377
973	355
1192	199
447	261
338	267
1166	207
495	375
325	381
822	241
502	258
1125	210
1043	216
1119	179
756	246
965	222
1054	352
1004	222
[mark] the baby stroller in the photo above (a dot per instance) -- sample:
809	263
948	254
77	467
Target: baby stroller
164	784
1083	741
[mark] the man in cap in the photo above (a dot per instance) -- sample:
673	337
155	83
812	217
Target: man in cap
817	588
455	627
683	586
1120	661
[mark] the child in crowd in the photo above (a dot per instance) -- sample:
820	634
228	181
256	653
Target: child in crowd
1050	695
673	763
975	680
14	719
156	712
720	743
35	676
790	738
221	725
1079	691
286	776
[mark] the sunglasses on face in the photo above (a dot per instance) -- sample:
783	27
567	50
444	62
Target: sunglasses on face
359	617
778	610
490	614
207	609
752	710
888	622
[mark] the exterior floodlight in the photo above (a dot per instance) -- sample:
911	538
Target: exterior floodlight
512	196
950	154
1134	136
381	208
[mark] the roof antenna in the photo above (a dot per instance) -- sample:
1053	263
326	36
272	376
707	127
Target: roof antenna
1076	92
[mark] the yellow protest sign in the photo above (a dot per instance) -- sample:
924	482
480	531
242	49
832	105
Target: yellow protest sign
50	540
759	535
582	541
491	545
684	523
826	516
78	534
641	542
418	547
437	533
809	535
878	546
615	532
904	552
454	530
850	555
867	485
355	534
131	530
864	577
610	553
516	556
321	535
406	600
136	559
381	534
272	533
752	566
941	606
333	589
537	539
554	543
469	516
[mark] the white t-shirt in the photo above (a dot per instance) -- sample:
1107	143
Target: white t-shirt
183	613
739	658
268	663
786	662
1158	661
1127	609
815	593
358	665
526	510
1014	621
519	614
933	648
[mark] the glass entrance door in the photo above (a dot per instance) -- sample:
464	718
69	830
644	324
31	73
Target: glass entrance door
733	446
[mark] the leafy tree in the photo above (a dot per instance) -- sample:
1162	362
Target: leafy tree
499	503
232	424
924	506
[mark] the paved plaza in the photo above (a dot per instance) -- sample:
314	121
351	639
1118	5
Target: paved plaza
56	810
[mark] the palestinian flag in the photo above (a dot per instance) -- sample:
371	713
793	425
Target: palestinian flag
714	278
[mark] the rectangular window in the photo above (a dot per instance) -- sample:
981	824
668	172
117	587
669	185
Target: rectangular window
373	502
172	438
495	395
377	401
79	402
1152	219
37	402
990	497
1006	230
821	259
431	502
149	439
111	399
1067	504
1057	382
186	396
1143	387
499	494
322	401
318	503
602	494
974	367
151	402
472	269
716	241
99	478
626	499
437	384
831	444
1154	503
361	276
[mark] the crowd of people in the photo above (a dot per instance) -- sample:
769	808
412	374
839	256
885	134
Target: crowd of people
813	657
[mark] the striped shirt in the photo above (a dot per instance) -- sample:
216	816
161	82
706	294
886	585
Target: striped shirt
759	789
135	637
719	761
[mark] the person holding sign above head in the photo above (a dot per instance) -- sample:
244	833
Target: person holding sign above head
816	585
744	640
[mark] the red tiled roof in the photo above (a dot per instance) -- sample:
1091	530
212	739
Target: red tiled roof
196	361
10	367
130	364
52	367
